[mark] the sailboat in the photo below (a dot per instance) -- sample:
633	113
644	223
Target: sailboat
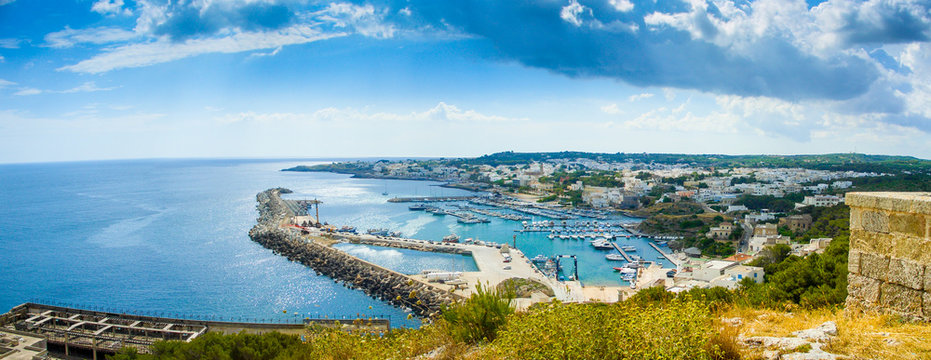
385	193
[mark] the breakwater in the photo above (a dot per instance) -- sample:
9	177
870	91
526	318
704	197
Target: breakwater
375	281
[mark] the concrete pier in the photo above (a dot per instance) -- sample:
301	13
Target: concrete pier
665	255
623	253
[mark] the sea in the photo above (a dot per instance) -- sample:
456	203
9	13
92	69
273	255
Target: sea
170	238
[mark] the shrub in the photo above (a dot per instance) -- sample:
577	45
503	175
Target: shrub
679	329
480	316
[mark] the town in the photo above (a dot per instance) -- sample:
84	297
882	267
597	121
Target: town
725	220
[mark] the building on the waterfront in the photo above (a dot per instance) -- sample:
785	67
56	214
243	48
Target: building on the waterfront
721	273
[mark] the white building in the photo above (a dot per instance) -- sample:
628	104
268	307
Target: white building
822	200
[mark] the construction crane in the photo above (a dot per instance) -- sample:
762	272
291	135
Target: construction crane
316	204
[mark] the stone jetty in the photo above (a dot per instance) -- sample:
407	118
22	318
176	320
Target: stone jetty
393	287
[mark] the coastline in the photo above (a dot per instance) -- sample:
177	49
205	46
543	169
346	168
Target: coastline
400	290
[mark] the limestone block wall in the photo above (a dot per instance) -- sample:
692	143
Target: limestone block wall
890	253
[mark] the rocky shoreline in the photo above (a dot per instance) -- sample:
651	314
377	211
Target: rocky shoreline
375	281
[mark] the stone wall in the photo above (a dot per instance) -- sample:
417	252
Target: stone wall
374	280
890	253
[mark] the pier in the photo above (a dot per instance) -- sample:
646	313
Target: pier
664	254
430	199
623	253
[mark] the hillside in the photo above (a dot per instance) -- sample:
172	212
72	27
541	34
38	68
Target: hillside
843	162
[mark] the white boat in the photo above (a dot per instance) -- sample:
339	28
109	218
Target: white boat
629	248
614	257
602	244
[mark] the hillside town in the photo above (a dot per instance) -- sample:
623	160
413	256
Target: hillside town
722	219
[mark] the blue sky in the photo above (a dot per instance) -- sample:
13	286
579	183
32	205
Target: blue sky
107	79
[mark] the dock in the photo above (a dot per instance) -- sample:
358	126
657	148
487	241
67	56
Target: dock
664	254
430	199
623	253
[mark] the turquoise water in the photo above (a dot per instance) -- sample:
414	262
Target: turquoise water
170	237
409	261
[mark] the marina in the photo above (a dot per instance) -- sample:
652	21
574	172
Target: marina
430	198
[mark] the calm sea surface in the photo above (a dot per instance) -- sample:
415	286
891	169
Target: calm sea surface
170	237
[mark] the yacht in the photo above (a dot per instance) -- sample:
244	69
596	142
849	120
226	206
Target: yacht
614	257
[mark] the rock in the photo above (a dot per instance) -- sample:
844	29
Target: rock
771	355
823	333
784	343
735	321
814	354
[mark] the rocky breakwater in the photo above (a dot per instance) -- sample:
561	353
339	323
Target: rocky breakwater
376	281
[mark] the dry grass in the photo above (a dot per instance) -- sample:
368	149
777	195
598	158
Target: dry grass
860	335
723	344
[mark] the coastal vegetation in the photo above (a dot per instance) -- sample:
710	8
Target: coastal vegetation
480	329
523	288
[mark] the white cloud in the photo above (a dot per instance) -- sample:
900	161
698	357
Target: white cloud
164	50
570	13
4	2
612	109
264	54
442	112
27	92
622	5
364	19
89	86
638	97
110	7
150	16
100	35
9	43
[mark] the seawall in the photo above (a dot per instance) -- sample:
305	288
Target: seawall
393	287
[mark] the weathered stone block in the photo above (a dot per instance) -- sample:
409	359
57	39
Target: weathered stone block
909	247
874	266
874	221
906	273
908	224
900	299
906	202
926	305
927	282
863	289
853	262
871	242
